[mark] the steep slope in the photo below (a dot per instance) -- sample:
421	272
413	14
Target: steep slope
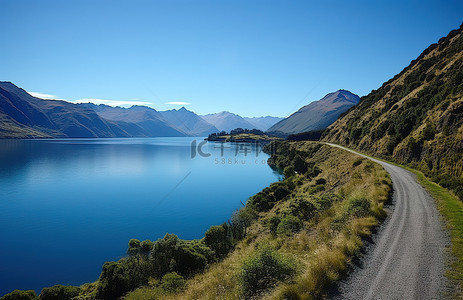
263	123
24	116
227	121
415	117
52	118
189	122
316	115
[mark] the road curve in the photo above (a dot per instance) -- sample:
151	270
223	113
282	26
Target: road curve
407	259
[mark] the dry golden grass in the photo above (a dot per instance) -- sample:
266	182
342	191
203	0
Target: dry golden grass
321	251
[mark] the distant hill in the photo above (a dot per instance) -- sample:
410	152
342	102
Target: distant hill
188	122
138	120
227	121
415	117
263	123
25	116
317	115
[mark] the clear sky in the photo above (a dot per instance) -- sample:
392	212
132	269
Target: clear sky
249	57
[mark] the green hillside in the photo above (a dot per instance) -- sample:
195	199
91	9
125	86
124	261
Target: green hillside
415	118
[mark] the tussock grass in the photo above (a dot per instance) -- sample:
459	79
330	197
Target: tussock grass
452	209
324	247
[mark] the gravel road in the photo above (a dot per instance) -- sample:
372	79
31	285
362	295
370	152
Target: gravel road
406	260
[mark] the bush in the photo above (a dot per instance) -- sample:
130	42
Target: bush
312	172
289	225
325	201
357	162
358	206
219	239
172	282
20	295
300	166
145	247
320	181
280	192
302	209
113	282
241	220
172	254
59	292
262	270
315	189
288	171
273	224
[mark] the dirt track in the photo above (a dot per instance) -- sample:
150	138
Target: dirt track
406	260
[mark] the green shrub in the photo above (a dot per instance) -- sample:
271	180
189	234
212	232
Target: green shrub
312	172
315	189
280	192
320	181
262	270
241	220
20	295
59	292
145	247
273	224
219	239
358	206
289	225
172	282
302	209
357	162
113	282
288	171
325	201
300	166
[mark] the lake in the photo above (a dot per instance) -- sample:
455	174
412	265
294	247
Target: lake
69	205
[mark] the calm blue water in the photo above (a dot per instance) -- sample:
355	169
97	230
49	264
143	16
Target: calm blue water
67	206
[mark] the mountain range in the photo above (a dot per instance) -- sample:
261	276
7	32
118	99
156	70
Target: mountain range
25	116
317	115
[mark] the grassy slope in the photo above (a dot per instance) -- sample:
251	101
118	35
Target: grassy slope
11	130
322	249
416	118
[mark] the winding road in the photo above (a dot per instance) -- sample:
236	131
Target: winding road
406	260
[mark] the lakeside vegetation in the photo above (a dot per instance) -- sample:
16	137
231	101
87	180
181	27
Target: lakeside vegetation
292	239
240	135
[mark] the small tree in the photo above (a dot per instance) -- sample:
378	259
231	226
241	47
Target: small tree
289	225
288	171
172	282
300	166
134	247
113	282
60	292
241	220
273	224
219	239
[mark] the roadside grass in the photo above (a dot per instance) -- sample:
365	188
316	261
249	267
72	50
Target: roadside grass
321	251
451	208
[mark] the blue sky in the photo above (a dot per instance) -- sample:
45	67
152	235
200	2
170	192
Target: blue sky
249	57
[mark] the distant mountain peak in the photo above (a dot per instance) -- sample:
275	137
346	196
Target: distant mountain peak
318	114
